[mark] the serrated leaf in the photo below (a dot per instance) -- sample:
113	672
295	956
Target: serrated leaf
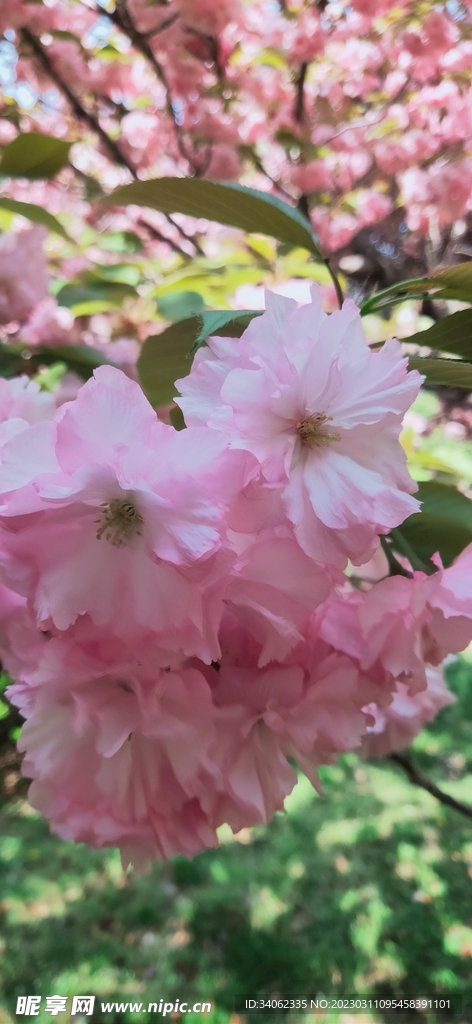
34	156
444	524
34	213
452	372
233	205
164	358
229	322
167	356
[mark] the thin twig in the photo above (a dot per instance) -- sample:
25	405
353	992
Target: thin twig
213	50
162	27
256	160
123	20
154	233
109	144
418	779
77	106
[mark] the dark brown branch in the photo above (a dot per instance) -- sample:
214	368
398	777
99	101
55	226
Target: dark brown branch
158	237
123	20
78	108
213	50
299	111
304	206
111	147
162	27
256	160
418	779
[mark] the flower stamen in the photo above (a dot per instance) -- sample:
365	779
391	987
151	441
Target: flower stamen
120	522
313	433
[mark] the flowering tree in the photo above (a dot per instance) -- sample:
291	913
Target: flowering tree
194	601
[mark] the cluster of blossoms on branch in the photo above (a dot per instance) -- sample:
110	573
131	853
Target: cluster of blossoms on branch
356	110
175	612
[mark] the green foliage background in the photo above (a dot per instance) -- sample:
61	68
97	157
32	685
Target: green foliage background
366	889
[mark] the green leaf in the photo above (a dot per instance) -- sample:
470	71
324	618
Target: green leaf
396	293
456	281
95	291
166	357
17	359
36	214
12	361
177	418
234	205
453	283
81	358
34	155
120	241
444	524
120	273
177	306
228	323
452	334
452	372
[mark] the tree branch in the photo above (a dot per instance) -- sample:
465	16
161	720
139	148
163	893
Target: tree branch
213	50
123	20
158	237
77	106
109	144
299	111
256	160
418	779
162	27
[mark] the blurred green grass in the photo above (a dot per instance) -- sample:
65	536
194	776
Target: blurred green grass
367	889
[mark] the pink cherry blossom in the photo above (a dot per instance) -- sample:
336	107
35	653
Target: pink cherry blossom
22	403
400	625
24	277
321	412
273	591
50	324
115	749
100	524
308	710
397	724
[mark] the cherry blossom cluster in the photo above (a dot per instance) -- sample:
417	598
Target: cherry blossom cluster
360	107
174	608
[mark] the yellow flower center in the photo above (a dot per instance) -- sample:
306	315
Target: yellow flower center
120	522
313	432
